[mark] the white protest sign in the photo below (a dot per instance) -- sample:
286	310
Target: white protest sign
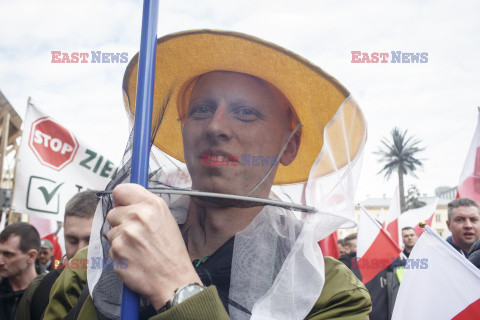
52	166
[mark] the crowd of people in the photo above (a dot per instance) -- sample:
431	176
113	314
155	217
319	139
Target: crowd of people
28	271
464	224
27	267
227	95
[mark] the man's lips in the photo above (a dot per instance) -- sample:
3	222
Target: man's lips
218	155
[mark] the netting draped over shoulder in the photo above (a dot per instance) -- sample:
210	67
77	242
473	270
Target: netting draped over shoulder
277	266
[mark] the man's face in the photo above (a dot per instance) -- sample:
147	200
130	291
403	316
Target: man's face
351	246
409	238
45	255
77	234
13	262
464	224
341	249
231	116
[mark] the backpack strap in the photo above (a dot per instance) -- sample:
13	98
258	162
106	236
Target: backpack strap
73	314
42	294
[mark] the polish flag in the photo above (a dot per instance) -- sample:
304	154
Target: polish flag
329	246
375	248
391	221
412	217
444	286
469	184
47	229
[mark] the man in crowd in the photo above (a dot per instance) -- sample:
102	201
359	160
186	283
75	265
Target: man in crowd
464	224
349	258
77	225
19	246
409	238
223	113
341	247
45	256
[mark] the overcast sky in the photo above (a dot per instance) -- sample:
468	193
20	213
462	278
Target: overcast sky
436	101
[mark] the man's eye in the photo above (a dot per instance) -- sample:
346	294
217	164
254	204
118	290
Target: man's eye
199	112
246	114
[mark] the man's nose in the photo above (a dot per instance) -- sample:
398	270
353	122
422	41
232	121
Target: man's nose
468	224
220	125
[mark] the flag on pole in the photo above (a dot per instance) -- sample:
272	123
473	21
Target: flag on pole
329	246
47	229
444	286
469	184
392	219
375	248
412	217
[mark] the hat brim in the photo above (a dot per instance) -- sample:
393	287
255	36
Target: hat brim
183	56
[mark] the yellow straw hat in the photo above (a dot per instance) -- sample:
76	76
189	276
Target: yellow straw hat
315	95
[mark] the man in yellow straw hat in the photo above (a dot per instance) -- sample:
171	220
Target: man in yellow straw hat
221	241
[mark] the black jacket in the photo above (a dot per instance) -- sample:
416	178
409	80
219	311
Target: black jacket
474	254
460	250
9	300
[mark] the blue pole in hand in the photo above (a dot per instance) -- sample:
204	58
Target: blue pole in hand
143	124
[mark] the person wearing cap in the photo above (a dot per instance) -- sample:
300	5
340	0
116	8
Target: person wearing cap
19	245
229	96
45	256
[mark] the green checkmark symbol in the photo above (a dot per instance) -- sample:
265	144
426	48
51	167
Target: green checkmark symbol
49	195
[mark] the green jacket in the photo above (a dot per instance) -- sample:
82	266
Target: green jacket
342	297
23	309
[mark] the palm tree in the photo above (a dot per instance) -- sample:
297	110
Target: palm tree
400	155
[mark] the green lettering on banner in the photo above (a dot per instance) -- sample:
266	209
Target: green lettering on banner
91	156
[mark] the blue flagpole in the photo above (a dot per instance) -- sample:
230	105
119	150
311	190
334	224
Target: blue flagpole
143	125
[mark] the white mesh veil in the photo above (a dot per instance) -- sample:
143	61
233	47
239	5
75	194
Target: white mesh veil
277	268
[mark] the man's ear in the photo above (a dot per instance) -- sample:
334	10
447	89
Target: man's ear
448	224
32	255
291	150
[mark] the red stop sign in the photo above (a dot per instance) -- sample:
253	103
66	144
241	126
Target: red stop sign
54	146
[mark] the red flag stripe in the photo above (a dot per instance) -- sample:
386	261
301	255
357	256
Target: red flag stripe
379	255
329	246
392	229
472	312
419	230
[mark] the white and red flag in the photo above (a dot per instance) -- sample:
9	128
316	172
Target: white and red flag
329	246
392	218
412	217
469	184
375	248
445	286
